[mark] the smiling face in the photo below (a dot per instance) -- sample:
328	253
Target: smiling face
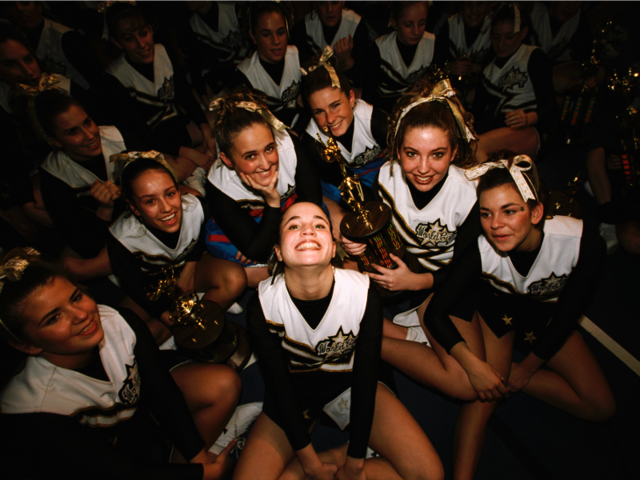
473	13
411	23
18	65
508	221
136	39
425	156
332	108
270	37
156	200
76	134
504	41
26	15
254	154
305	237
329	13
61	323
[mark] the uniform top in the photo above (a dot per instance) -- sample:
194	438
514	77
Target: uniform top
79	413
562	270
225	37
480	48
340	348
315	34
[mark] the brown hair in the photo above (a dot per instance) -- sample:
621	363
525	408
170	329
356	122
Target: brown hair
319	78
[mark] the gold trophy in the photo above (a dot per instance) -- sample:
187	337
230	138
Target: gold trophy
368	222
200	327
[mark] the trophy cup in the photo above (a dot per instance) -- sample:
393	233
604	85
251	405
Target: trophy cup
199	326
368	222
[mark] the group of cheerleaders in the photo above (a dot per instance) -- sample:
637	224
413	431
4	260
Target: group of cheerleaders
489	273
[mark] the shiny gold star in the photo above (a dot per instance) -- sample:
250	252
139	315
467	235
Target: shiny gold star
529	337
506	319
343	404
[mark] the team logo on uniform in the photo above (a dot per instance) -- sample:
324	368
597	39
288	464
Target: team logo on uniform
234	40
367	156
512	78
291	93
548	286
434	234
417	75
336	346
167	91
130	391
52	66
290	191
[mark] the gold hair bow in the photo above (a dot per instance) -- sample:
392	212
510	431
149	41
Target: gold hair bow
442	93
253	107
47	82
516	172
104	6
327	53
16	263
126	158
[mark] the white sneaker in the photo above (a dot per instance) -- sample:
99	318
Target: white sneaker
416	334
197	180
235	309
608	232
239	423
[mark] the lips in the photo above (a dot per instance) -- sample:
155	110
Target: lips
308	245
170	219
89	329
426	180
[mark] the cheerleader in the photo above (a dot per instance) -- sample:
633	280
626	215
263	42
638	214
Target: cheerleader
260	172
515	101
534	276
146	71
95	390
399	59
274	68
317	331
162	236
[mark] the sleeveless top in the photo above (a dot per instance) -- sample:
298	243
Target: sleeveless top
481	47
315	35
52	55
228	41
554	46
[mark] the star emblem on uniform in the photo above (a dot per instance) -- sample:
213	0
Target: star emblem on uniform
167	92
434	233
529	337
343	404
290	191
507	320
305	414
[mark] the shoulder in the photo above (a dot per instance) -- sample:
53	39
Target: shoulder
351	278
428	36
350	15
563	226
363	109
292	50
125	226
456	174
117	65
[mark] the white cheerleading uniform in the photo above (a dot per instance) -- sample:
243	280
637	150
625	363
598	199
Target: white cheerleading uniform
159	94
364	148
512	83
557	258
315	36
481	47
154	254
42	387
278	96
228	181
429	233
228	41
52	55
397	74
331	346
556	47
61	166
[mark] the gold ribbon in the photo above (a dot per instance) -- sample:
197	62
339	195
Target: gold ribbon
103	6
327	53
442	93
516	172
252	107
129	157
47	82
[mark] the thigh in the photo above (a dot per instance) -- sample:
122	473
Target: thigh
205	384
211	272
266	453
498	351
398	438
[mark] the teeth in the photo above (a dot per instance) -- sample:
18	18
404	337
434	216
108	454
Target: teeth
170	217
86	329
423	179
308	245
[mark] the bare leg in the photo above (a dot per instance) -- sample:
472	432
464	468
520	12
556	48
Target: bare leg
471	426
523	141
87	268
574	383
222	280
255	275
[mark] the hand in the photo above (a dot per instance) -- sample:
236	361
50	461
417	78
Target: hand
243	260
353	469
352	248
614	162
220	467
519	377
487	382
342	49
269	192
209	140
105	193
327	471
200	159
395	280
185	283
461	67
516	119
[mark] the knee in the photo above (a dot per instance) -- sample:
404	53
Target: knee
227	383
603	410
235	280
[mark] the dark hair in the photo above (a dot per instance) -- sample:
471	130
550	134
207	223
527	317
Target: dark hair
497	177
136	168
51	103
124	11
505	12
430	114
398	7
319	78
231	120
9	32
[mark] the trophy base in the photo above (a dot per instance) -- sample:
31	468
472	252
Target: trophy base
231	348
193	337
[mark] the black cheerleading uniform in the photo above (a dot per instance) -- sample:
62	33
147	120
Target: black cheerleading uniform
311	352
539	294
95	422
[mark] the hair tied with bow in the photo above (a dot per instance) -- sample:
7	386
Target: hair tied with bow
520	165
122	160
254	108
47	82
327	53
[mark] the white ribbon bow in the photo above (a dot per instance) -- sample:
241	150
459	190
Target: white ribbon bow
515	171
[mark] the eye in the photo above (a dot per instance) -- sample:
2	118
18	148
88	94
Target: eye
52	319
320	226
484	215
170	194
510	211
87	122
127	38
144	33
78	297
294	227
149	201
270	149
71	131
